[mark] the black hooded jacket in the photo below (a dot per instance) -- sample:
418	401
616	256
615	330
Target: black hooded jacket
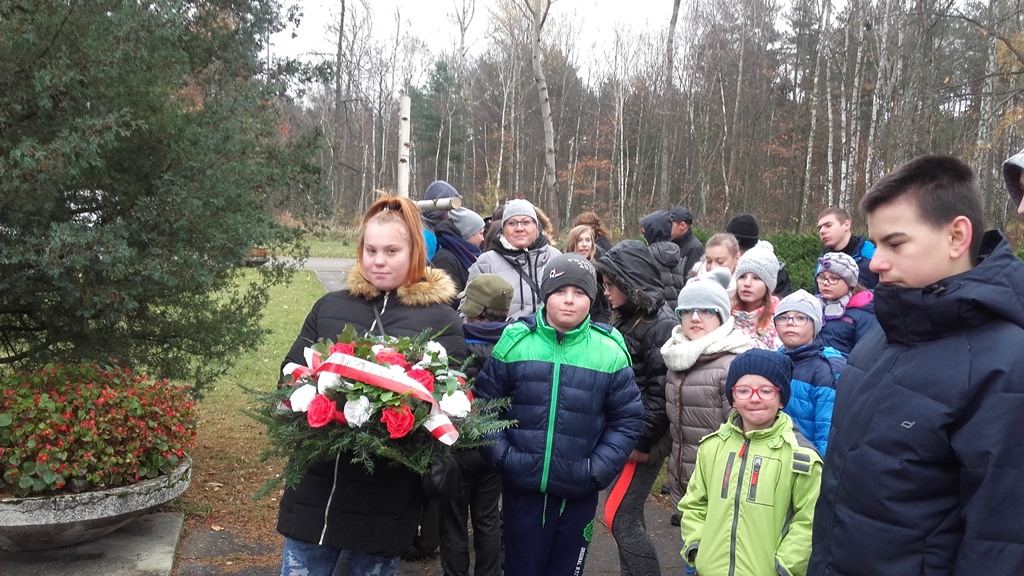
645	324
657	227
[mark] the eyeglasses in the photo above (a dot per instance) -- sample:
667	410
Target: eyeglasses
794	319
828	280
702	313
519	223
763	392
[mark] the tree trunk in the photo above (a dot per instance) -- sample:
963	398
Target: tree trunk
539	11
666	102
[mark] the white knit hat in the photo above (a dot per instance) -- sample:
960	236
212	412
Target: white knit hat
707	291
762	263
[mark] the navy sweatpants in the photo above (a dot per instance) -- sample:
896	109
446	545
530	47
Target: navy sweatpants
546	535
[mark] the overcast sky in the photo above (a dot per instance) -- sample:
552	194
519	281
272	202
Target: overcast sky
430	20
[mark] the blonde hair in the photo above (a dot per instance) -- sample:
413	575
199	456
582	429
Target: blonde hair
574	238
402	211
727	240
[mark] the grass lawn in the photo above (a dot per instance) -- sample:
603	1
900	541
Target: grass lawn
226	467
329	248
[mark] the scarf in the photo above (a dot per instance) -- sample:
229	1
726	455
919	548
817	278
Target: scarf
680	353
465	252
834	308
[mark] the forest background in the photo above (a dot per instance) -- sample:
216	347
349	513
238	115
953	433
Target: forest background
770	107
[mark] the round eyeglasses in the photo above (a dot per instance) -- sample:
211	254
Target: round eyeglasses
763	392
794	319
828	280
702	313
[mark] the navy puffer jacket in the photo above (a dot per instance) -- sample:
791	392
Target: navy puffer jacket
816	370
576	406
926	457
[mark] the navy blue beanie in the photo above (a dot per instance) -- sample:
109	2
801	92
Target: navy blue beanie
775	366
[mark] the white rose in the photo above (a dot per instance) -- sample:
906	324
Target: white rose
424	362
455	404
436	348
301	397
327	380
358	411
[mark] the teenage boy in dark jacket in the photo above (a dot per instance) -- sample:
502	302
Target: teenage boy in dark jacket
927	451
578	416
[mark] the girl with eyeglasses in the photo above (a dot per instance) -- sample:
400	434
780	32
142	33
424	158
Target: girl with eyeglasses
749	507
816	367
698	355
849	312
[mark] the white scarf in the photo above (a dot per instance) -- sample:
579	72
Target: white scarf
681	353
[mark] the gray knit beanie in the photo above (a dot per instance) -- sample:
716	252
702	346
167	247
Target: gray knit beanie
804	303
518	207
841	264
707	291
762	263
467	221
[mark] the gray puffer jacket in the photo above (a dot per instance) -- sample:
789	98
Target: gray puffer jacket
523	269
695	393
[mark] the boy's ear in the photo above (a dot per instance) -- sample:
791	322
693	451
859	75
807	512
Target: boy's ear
960	231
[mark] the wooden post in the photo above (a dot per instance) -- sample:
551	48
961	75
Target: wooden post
404	130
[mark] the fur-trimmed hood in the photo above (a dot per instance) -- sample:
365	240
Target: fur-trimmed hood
631	267
436	287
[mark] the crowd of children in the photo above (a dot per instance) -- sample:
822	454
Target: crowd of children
893	391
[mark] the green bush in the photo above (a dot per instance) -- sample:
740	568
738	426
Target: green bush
800	253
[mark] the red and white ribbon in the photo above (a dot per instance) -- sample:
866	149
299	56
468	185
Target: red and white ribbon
329	373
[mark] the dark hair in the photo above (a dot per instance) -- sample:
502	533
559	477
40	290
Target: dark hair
942	188
491	315
840	214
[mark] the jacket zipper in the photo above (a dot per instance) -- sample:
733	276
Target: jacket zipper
327	509
551	418
736	506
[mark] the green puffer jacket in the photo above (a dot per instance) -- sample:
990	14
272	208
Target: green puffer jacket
749	506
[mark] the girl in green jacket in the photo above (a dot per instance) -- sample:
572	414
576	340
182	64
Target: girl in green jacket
749	506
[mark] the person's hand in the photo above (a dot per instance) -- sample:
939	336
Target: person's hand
640	457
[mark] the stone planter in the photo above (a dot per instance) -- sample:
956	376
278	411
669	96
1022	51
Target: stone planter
43	522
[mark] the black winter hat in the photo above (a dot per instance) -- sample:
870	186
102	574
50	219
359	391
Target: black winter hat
569	270
775	366
744	228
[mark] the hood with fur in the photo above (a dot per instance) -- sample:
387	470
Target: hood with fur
436	287
632	268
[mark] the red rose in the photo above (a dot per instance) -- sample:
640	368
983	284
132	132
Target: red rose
399	420
387	356
423	377
320	412
342	347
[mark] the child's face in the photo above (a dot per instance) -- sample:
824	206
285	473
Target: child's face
756	412
910	252
791	333
695	325
616	297
719	257
751	290
566	308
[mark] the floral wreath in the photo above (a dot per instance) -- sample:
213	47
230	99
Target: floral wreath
375	398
